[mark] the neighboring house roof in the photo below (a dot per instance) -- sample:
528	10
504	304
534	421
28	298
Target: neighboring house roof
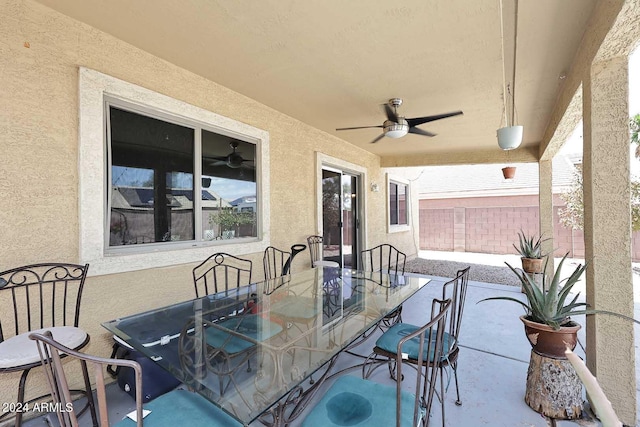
244	200
142	197
436	182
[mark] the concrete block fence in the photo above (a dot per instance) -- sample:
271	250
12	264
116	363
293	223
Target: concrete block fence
491	225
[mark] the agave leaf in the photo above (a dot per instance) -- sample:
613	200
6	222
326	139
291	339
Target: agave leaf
562	307
554	323
612	313
526	307
535	297
549	297
572	280
555	281
570	310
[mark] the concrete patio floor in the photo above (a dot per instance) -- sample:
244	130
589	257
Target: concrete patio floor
492	364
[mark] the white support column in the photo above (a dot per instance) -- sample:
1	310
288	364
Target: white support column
607	230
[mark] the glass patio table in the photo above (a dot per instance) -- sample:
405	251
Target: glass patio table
254	350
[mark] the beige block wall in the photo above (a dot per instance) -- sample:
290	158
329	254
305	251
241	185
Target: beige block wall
40	52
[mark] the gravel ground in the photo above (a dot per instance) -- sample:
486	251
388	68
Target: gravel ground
478	272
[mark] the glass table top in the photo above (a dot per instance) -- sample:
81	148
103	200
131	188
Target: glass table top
246	348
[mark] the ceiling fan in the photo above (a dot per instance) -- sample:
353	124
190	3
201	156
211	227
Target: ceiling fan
233	160
397	126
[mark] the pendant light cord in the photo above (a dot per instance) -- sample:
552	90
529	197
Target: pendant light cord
513	81
509	90
504	71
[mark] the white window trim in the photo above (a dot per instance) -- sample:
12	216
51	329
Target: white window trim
93	187
397	228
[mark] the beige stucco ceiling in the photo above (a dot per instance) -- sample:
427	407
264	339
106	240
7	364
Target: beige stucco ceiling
332	63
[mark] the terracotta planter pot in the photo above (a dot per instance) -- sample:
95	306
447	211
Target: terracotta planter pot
548	342
509	172
532	265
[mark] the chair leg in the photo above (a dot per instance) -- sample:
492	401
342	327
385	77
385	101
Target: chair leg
221	385
442	393
23	380
90	402
455	375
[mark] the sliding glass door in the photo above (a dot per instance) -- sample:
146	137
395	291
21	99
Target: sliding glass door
340	216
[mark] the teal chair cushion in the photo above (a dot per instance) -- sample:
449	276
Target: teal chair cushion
352	401
182	407
250	325
389	340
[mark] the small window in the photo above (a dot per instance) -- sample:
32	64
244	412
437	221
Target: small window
398	205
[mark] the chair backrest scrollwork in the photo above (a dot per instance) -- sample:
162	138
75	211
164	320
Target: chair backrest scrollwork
383	257
40	295
221	272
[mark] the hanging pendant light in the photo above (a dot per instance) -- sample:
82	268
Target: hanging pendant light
510	136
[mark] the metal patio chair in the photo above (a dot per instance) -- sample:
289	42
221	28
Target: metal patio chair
178	407
355	401
274	261
385	258
38	298
277	262
454	290
315	252
221	272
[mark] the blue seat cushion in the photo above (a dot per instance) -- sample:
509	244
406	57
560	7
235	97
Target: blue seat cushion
352	401
389	340
182	407
250	325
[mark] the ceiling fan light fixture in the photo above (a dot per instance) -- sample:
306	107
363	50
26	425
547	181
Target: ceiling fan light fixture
396	130
234	161
396	127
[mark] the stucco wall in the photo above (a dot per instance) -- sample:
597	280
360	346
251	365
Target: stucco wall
40	52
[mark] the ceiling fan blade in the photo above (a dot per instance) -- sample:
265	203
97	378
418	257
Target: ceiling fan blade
378	138
360	127
420	120
391	115
419	131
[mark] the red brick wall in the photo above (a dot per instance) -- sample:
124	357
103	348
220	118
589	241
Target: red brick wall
491	225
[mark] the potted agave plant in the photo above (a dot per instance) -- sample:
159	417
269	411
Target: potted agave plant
547	321
530	250
552	389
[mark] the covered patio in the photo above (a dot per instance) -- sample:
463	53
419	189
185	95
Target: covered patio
493	361
260	90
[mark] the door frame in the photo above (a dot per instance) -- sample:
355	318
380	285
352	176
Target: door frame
333	163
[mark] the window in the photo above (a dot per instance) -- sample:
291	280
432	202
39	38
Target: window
163	182
398	205
153	180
